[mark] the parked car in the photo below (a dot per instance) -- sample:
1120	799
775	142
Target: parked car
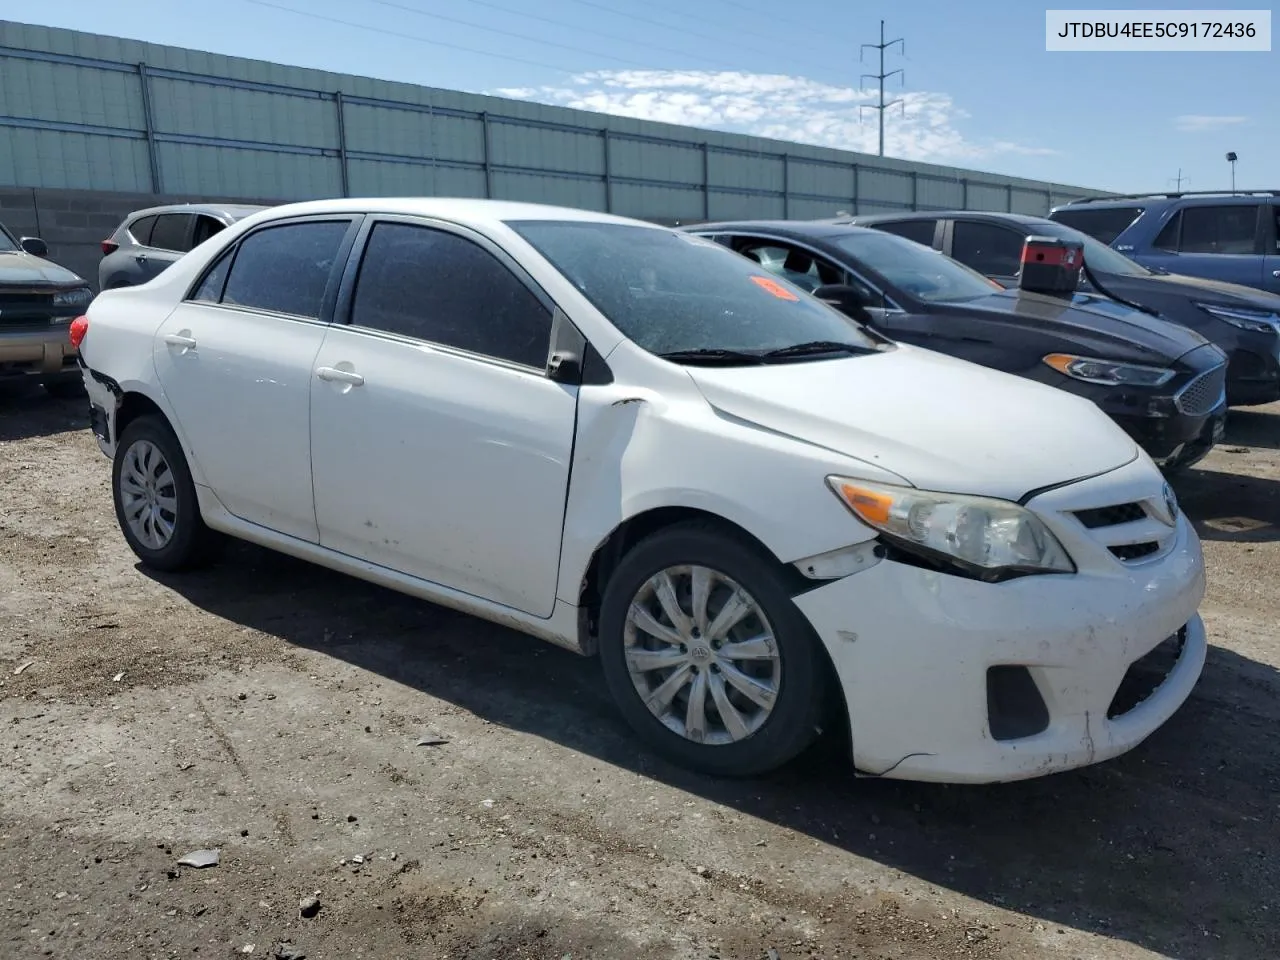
1234	238
630	441
1242	321
148	241
1161	382
38	299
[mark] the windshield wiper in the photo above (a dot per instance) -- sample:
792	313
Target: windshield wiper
814	347
709	355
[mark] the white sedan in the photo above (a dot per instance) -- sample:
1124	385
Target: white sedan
636	444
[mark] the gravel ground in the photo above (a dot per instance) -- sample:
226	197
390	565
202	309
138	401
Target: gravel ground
274	711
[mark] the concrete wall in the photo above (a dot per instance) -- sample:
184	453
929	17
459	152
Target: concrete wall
89	112
74	222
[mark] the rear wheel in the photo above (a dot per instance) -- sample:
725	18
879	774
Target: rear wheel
706	655
155	498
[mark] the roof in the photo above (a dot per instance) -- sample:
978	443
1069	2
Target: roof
237	211
936	214
808	228
459	209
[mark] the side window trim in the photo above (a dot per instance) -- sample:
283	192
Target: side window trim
355	221
344	298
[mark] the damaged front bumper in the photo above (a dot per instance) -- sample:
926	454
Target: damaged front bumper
954	680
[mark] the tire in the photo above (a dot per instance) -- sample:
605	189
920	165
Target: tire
65	387
190	543
794	670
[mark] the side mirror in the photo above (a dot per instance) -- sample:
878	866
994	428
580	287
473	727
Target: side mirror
848	300
565	368
34	246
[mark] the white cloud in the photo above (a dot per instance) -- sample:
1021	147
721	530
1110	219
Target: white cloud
1200	123
923	127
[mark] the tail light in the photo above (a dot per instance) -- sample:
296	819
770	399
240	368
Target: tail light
109	247
79	327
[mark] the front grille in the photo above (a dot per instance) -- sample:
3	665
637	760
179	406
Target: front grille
1204	393
25	307
1135	551
1146	674
1111	516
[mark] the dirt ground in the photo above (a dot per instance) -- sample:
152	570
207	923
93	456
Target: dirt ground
274	711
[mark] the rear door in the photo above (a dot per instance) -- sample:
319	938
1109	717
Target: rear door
1215	241
235	361
992	249
441	445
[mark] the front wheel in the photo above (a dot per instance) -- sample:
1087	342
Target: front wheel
155	498
706	655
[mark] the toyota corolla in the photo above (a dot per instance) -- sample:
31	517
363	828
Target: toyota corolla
637	444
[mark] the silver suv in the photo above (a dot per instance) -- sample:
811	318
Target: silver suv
149	240
38	301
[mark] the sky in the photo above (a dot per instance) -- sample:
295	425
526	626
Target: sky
978	89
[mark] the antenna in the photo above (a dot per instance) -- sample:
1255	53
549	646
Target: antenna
881	77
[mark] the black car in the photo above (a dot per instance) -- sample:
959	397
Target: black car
1242	321
1160	381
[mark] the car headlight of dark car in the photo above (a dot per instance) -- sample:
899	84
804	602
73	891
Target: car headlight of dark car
1246	318
73	297
1109	372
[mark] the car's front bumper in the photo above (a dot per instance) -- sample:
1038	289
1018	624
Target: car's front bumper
36	350
914	649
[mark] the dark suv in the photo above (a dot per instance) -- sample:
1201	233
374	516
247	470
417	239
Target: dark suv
1242	321
1230	237
149	240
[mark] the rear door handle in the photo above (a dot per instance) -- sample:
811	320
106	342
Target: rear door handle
178	340
1276	274
335	375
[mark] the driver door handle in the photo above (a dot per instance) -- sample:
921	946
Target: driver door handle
340	376
1276	274
177	340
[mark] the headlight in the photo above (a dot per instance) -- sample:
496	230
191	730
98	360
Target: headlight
75	297
1259	321
1109	372
978	537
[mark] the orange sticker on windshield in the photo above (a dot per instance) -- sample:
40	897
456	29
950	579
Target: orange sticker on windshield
777	289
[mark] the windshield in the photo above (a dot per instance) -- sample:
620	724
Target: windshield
672	292
1097	256
914	269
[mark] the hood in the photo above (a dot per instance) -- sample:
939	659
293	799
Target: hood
21	269
1213	291
1089	321
939	423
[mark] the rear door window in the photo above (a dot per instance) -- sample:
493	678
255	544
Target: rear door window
921	231
1223	230
1102	224
285	269
171	232
990	249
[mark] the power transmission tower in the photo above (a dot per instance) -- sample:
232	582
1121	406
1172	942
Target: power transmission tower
1178	180
881	77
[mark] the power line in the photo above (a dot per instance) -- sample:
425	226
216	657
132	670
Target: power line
718	23
507	33
597	33
664	26
881	106
400	35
